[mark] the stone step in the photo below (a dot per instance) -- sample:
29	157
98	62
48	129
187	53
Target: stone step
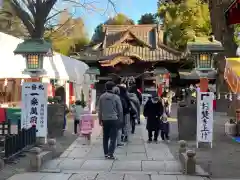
101	165
86	175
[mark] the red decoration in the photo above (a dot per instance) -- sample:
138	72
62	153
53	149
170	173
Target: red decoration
71	93
233	13
160	90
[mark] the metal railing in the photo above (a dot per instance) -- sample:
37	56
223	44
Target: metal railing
16	143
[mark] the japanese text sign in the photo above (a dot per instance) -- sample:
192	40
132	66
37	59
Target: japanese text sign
34	107
205	117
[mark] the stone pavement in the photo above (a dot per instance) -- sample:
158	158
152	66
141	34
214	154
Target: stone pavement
137	160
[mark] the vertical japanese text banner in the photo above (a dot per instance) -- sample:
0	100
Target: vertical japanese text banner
34	107
205	117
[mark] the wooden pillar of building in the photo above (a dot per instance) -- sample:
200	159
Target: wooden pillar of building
142	86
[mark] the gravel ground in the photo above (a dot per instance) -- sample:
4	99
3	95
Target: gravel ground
222	161
21	163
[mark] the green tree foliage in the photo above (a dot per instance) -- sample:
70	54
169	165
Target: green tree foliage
184	20
9	22
237	34
119	19
148	18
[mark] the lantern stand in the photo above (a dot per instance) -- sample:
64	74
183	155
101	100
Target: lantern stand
203	51
34	51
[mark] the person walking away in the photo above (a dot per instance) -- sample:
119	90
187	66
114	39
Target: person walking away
116	91
153	110
66	111
135	110
138	93
110	114
165	128
86	124
77	112
126	113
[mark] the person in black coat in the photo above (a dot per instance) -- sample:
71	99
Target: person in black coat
153	110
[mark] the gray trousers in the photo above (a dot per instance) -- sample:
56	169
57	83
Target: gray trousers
119	135
127	127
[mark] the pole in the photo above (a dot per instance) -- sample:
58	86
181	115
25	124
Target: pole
203	84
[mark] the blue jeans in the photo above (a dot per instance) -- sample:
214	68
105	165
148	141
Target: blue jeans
64	122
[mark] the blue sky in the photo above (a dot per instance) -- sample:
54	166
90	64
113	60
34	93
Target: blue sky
132	8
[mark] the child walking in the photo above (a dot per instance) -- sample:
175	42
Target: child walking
77	111
86	124
165	128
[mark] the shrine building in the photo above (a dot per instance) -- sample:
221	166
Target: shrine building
134	51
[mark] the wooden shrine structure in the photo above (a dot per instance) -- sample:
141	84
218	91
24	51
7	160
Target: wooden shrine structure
131	51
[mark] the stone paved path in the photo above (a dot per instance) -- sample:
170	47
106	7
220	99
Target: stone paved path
137	160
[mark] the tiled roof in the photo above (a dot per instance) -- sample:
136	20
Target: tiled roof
142	32
141	53
147	48
204	44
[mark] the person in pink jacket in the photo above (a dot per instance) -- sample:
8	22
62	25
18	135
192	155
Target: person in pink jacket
87	123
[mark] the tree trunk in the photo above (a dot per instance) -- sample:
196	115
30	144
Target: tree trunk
224	34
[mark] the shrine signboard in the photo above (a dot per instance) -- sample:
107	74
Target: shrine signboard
34	107
205	117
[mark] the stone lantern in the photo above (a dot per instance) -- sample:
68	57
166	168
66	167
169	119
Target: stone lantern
34	51
203	52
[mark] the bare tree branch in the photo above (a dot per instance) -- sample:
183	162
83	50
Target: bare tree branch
36	14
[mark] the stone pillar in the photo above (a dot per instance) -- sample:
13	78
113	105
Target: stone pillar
2	164
183	146
35	159
52	147
191	162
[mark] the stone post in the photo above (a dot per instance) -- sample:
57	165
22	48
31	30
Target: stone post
35	160
191	162
181	152
182	147
2	164
52	147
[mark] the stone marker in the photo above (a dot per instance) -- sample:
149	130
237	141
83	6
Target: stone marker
2	164
52	146
191	162
35	159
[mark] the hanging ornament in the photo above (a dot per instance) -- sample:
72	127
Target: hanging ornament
230	97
